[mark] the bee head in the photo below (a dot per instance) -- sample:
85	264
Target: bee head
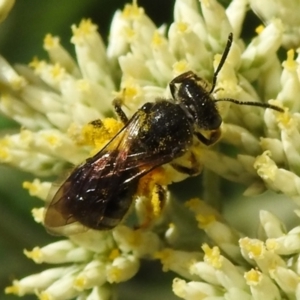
195	98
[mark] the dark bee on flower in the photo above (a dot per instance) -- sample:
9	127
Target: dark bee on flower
99	192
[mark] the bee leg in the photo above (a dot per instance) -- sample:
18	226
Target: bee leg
117	103
192	170
185	170
214	137
159	195
153	206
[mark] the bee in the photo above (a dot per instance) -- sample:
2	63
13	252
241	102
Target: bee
99	192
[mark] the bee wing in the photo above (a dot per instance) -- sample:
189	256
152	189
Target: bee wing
111	169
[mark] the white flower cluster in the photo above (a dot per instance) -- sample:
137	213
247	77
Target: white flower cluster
248	269
96	260
287	11
54	100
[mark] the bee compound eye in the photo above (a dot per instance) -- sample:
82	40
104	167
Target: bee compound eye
215	122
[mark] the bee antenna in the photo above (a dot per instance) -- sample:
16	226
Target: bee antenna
251	103
222	61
